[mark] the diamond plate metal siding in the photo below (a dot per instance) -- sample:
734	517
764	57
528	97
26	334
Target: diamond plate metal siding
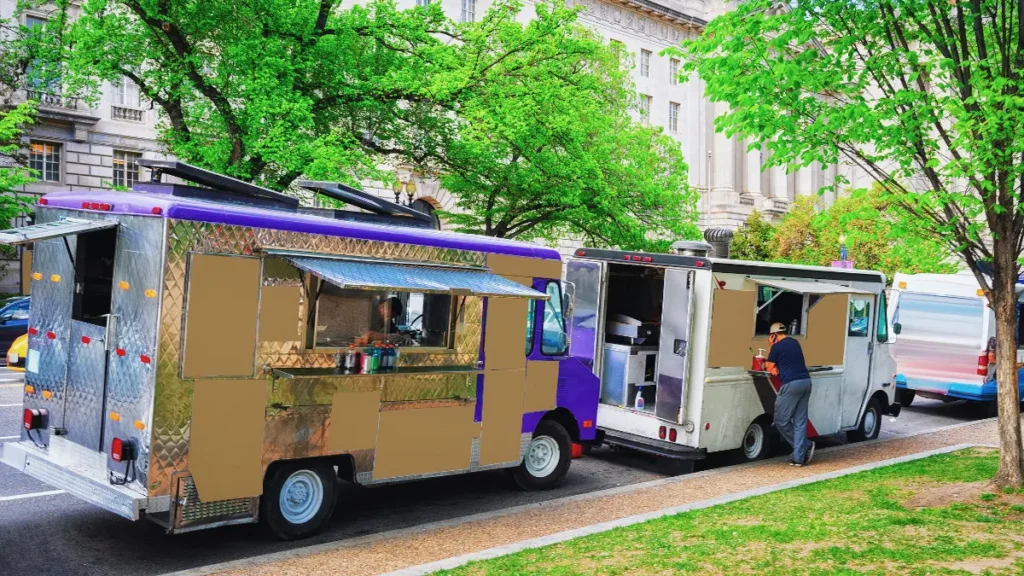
172	405
83	418
191	511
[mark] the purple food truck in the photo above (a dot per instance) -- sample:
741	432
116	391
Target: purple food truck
211	353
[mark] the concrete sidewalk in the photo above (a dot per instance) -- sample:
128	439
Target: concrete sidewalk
420	549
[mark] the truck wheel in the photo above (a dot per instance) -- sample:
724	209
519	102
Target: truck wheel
870	423
298	498
758	440
905	397
547	458
988	409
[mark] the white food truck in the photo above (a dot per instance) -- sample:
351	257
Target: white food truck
671	337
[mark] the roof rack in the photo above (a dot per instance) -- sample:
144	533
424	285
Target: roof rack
360	199
215	181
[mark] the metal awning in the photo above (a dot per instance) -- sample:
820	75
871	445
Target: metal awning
57	229
811	287
373	275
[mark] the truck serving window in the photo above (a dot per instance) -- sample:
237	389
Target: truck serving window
359	317
777	305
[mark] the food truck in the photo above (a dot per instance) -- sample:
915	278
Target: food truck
935	362
672	339
216	354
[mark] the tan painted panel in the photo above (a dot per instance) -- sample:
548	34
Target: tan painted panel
541	385
732	328
353	421
279	313
519	266
502	420
225	447
220	329
423	441
522	280
505	334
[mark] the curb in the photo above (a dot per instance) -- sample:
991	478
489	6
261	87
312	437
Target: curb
285	555
457	561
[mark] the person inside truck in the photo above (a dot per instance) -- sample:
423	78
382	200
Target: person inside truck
383	327
786	361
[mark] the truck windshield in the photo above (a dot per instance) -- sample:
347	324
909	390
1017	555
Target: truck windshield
930	317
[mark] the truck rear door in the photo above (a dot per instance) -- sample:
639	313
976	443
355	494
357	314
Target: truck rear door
674	344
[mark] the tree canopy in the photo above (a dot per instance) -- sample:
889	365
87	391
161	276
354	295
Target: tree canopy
526	121
924	96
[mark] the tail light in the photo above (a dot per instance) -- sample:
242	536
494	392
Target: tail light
122	450
34	418
661	432
983	365
672	435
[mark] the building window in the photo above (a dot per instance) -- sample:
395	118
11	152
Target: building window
361	317
126	93
673	72
645	109
126	168
44	157
645	63
468	10
673	116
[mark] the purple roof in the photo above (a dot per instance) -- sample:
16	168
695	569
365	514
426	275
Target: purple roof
235	215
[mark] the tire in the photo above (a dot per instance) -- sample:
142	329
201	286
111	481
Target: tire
547	458
870	423
988	409
298	498
758	440
905	396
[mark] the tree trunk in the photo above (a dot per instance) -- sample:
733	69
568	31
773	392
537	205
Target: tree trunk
1004	303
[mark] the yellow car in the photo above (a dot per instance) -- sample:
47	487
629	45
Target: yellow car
16	355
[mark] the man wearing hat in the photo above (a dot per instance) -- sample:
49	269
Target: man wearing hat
786	360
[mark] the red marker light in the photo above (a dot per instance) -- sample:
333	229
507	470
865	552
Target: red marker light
33	331
120	352
581	252
157	210
94	205
44	201
51	335
707	425
700	263
106	207
145	359
86	339
661	432
627	257
85	205
34	418
672	435
648	259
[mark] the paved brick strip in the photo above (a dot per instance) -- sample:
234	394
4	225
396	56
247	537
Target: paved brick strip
370	556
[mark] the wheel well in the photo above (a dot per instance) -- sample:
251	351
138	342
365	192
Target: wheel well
567	420
344	462
882	399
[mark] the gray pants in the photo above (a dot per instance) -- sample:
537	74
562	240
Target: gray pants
791	416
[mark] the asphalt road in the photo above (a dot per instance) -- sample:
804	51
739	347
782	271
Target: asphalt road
56	534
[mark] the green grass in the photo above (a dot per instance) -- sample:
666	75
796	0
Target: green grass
851	525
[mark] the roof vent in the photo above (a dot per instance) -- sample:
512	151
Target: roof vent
720	239
690	248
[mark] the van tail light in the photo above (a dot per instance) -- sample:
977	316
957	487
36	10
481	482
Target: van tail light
661	432
34	418
983	365
122	450
672	435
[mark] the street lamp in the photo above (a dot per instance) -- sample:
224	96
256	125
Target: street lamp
408	186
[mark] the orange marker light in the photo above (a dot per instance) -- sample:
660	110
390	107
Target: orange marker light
980	292
588	423
123	285
37	276
55	278
47	394
115	416
30	390
903	285
140	425
150	293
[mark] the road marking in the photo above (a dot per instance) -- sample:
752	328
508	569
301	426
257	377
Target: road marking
11	385
9	437
30	495
9	405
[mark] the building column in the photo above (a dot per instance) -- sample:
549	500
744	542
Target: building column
753	186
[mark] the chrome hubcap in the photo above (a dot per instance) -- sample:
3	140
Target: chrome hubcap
302	495
542	456
870	421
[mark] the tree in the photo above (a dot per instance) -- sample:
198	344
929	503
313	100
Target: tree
309	88
868	223
754	240
925	96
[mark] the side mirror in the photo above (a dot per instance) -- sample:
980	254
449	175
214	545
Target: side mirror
897	328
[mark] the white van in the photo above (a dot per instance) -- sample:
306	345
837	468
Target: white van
942	325
671	338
